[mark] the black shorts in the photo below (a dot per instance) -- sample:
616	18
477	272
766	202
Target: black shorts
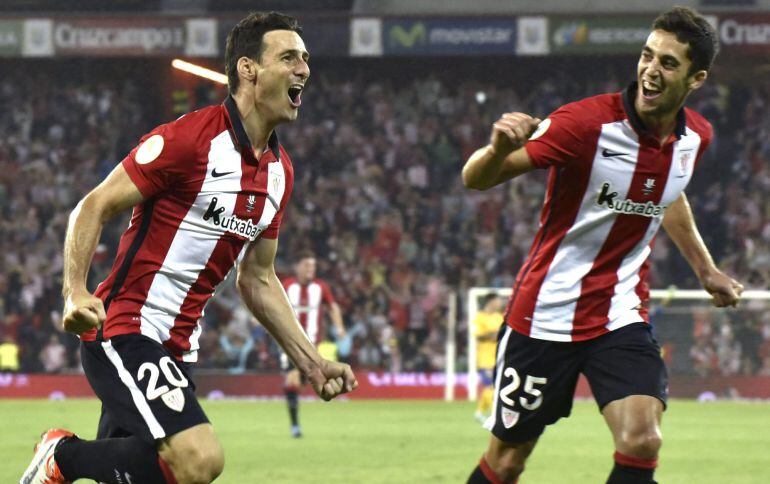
535	385
288	366
144	390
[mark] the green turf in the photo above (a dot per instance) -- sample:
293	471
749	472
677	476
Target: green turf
426	442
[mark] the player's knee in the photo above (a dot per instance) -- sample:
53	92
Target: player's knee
201	465
509	463
642	444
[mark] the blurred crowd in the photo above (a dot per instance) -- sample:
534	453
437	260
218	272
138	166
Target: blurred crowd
378	198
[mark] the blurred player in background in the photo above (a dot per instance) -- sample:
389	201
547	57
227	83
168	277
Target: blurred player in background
308	296
618	164
486	325
208	191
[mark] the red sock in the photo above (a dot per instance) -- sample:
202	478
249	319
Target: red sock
166	470
637	462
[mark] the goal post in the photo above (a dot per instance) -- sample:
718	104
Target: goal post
475	294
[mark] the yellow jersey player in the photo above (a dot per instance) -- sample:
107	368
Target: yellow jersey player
486	325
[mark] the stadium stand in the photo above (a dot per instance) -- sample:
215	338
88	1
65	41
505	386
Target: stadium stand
377	196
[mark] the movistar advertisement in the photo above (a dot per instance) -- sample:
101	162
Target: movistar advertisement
449	36
583	35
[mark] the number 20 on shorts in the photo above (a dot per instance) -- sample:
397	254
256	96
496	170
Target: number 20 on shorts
171	372
530	383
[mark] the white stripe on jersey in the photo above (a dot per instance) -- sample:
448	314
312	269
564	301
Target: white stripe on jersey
193	244
313	310
625	301
552	318
276	186
308	312
136	393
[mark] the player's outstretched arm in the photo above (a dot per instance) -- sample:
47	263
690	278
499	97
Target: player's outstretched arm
504	157
679	224
82	310
336	315
263	294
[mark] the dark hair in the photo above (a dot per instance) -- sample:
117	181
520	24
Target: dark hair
305	254
487	298
692	29
245	40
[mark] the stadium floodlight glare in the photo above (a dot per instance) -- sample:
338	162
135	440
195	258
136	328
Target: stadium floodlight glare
199	71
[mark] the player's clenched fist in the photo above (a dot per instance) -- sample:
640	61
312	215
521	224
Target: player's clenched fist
512	131
82	312
330	379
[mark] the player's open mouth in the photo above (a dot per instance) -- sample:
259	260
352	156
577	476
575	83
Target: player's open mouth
295	95
650	91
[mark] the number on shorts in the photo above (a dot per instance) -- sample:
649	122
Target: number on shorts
173	376
529	388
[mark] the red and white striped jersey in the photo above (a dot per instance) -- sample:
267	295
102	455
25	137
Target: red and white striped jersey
207	196
308	300
608	186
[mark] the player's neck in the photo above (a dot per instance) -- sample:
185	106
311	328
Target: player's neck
257	130
662	125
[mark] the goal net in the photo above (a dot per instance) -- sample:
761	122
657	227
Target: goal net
697	339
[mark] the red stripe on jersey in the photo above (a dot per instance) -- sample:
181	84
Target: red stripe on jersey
598	286
304	302
566	189
167	215
227	249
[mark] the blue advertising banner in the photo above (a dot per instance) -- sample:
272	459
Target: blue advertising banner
449	36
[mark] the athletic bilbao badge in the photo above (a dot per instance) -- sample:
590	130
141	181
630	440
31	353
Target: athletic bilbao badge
510	417
252	200
174	399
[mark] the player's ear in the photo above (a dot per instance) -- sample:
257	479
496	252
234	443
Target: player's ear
697	80
247	69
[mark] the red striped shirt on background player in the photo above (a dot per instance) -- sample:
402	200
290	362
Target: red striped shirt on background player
308	300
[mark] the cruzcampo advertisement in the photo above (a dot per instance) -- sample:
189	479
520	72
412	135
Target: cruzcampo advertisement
599	35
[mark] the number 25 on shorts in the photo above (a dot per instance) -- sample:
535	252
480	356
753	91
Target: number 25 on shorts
529	388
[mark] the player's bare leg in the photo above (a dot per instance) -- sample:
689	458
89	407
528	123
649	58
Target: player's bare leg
503	462
291	388
194	455
635	425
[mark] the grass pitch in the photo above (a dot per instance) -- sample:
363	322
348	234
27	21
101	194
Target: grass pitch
425	442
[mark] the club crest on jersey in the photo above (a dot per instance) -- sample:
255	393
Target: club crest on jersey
608	199
245	228
174	399
684	161
510	417
649	186
250	203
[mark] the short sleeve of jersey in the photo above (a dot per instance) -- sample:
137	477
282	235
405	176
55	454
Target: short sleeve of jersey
160	160
326	293
559	138
271	232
